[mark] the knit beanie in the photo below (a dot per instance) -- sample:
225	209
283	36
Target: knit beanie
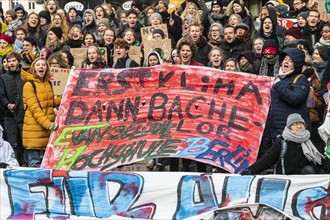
303	14
282	10
166	2
270	47
45	14
238	2
3	27
90	11
225	2
156	15
216	2
138	4
57	31
272	3
7	38
324	52
295	117
294	32
159	31
105	21
249	55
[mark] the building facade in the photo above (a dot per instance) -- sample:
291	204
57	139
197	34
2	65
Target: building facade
29	5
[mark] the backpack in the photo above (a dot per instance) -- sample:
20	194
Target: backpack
20	108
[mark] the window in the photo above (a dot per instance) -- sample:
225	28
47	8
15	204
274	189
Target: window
13	3
32	5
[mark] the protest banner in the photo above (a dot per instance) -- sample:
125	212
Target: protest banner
54	194
146	32
80	54
112	117
59	78
163	47
286	22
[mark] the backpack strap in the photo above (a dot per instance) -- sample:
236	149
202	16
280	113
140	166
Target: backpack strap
284	147
128	63
35	91
295	80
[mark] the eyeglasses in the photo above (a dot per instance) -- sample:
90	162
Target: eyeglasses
216	30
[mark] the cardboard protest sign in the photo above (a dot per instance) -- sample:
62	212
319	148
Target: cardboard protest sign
163	47
286	22
54	194
323	8
59	78
112	117
80	54
146	32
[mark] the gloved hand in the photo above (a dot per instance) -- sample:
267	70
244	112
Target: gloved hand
246	172
53	127
3	165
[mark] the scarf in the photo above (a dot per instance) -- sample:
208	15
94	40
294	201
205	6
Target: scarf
302	137
283	74
247	67
263	70
6	51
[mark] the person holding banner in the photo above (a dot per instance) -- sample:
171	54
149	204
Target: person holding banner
39	118
292	153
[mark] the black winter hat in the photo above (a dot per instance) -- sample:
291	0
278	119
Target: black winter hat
216	2
270	43
73	8
57	31
45	14
225	2
138	4
249	55
324	52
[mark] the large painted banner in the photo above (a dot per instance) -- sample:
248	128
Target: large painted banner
113	117
45	193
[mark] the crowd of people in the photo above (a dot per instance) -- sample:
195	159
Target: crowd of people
225	37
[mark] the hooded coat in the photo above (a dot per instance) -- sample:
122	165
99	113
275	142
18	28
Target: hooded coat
286	98
37	118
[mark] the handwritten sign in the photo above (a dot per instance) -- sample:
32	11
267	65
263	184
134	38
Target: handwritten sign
324	9
43	194
113	117
163	47
79	55
59	78
146	32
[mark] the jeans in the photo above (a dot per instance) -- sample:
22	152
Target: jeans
35	157
14	132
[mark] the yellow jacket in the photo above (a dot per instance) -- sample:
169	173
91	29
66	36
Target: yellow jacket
37	120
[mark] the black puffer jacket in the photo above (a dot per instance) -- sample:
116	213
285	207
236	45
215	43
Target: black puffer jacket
294	159
203	51
11	89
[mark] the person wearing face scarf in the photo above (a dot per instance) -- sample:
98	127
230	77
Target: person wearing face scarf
247	62
300	154
270	64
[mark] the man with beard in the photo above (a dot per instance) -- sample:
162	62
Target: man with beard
312	30
196	36
232	47
11	89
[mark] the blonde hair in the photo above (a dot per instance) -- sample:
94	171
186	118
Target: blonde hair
196	17
70	33
64	27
